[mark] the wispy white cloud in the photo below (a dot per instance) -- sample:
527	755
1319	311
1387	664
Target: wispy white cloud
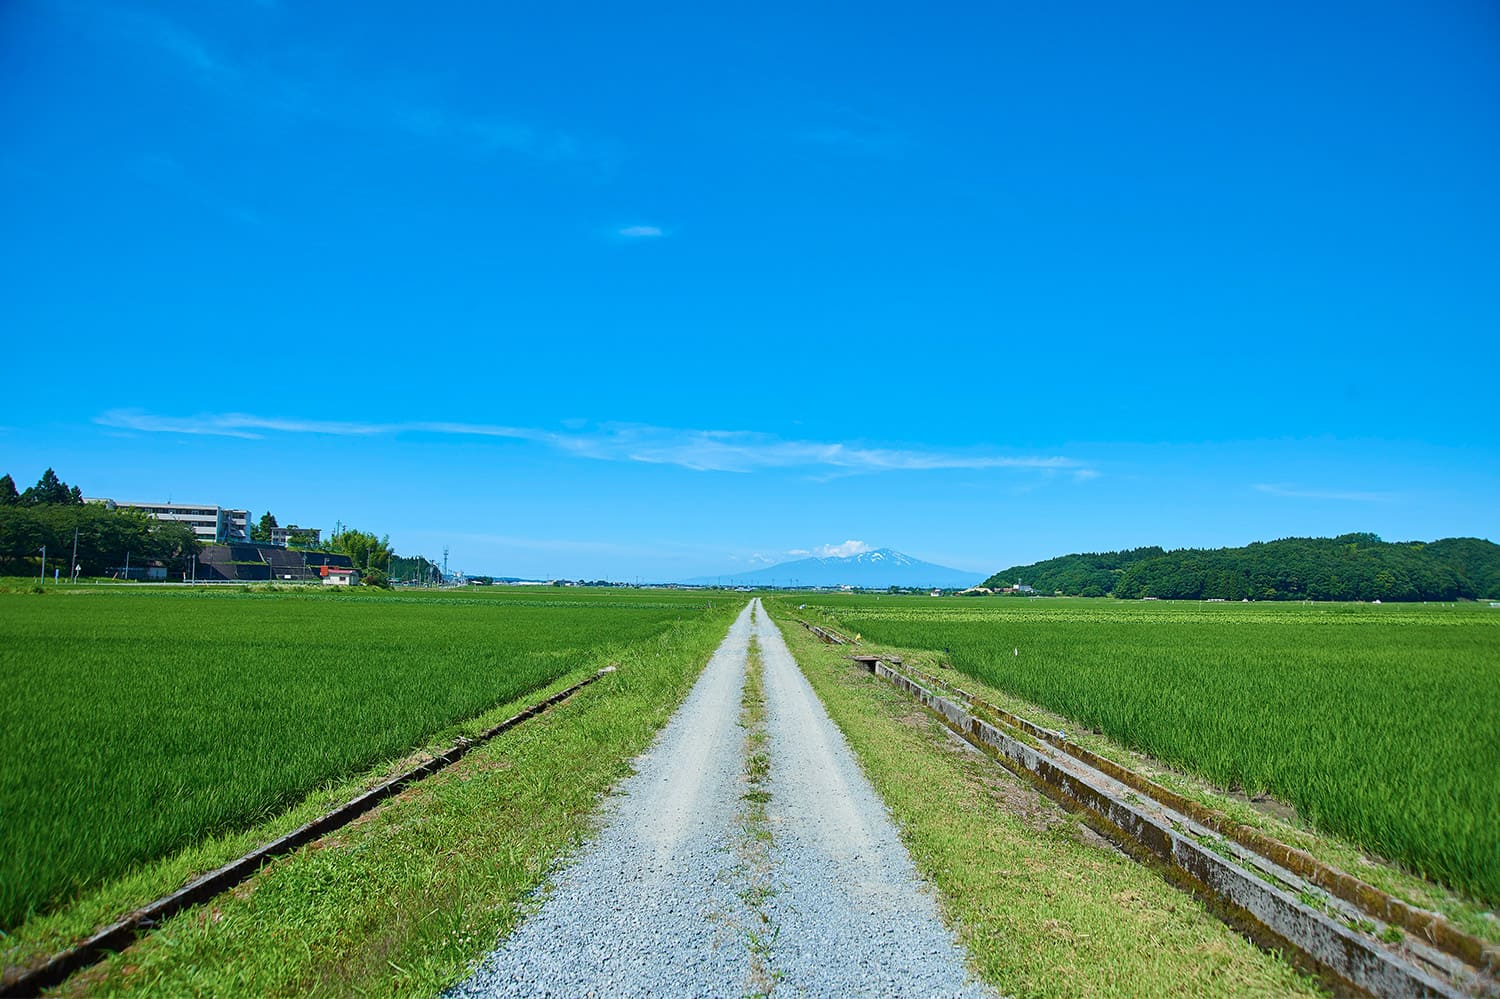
855	132
189	48
1295	492
301	96
242	425
640	232
489	133
168	37
743	451
869	143
699	450
844	550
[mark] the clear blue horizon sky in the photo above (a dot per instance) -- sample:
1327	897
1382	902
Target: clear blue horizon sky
662	291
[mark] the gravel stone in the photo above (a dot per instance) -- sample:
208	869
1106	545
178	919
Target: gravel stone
652	907
851	913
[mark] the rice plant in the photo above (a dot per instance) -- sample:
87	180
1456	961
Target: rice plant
133	724
1380	723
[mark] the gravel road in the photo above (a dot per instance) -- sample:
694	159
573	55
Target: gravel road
658	903
852	916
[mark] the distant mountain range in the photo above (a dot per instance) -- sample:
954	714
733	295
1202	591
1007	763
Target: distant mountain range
1348	567
872	570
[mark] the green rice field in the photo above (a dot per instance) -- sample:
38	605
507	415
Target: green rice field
1378	723
135	722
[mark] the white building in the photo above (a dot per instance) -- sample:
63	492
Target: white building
337	575
210	524
297	535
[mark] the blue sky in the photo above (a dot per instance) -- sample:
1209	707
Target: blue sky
670	290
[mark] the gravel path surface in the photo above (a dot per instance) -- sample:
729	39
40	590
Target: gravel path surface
652	906
851	913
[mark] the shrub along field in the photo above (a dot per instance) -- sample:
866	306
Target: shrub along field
1379	723
135	722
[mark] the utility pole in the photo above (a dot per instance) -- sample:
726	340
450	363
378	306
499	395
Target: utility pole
43	578
127	567
445	563
74	563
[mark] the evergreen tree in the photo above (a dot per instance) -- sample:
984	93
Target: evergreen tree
262	530
48	491
8	494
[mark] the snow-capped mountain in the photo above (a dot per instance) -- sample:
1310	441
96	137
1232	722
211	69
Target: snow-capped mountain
875	569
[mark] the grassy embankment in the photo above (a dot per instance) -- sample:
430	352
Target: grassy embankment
1043	907
329	931
1378	723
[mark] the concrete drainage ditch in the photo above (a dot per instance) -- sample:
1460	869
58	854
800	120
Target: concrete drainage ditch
1350	933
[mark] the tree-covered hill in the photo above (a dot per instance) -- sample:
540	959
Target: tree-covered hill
1349	567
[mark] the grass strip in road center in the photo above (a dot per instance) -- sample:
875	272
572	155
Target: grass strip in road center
755	842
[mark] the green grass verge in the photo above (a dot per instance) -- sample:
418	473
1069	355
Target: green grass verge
408	899
1043	907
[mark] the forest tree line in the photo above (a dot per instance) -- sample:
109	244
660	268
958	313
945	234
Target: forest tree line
52	514
1348	567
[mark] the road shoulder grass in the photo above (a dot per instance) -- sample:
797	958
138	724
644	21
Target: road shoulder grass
411	897
1042	905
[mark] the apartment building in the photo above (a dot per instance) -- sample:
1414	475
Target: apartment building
210	524
282	536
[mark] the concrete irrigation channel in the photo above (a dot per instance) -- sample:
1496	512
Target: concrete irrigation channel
681	893
1330	922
